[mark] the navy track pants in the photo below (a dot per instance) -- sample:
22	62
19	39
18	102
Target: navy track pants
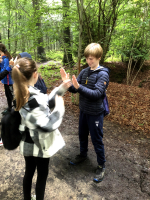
94	125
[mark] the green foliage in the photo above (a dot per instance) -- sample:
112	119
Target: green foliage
132	28
112	58
54	55
50	73
21	18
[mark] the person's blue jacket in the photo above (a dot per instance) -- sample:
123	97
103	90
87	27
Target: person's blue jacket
4	66
92	91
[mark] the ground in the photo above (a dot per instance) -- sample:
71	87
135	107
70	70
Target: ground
127	165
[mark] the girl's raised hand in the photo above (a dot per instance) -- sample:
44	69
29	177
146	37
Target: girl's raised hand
64	75
67	83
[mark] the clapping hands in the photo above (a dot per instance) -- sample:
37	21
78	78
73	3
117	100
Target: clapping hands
66	79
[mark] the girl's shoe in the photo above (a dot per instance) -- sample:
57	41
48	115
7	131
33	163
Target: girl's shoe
33	197
8	110
1	143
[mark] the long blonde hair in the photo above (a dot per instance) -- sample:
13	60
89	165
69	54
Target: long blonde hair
21	74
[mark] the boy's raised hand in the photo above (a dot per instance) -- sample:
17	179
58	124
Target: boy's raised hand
64	75
75	82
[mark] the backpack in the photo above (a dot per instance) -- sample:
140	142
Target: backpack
106	105
105	101
10	133
40	84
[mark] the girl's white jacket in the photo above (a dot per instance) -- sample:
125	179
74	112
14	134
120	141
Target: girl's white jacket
39	126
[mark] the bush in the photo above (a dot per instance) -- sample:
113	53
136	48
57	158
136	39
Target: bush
54	55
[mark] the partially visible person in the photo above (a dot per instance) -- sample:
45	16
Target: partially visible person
2	75
40	84
6	71
41	138
24	54
1	143
7	81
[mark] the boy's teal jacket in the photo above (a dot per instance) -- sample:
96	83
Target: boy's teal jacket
4	66
92	91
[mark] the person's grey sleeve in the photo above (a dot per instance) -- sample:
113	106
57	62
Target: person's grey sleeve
60	91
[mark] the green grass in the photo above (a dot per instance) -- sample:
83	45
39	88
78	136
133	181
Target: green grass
54	55
50	73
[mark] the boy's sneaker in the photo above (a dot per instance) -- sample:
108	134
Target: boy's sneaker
100	171
1	143
78	159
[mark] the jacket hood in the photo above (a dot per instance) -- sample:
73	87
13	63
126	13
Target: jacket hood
25	54
33	90
4	56
102	68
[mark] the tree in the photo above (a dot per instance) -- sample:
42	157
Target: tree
39	36
100	21
67	59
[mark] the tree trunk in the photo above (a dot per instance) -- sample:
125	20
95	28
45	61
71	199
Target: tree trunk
80	12
67	59
0	38
16	40
9	27
37	16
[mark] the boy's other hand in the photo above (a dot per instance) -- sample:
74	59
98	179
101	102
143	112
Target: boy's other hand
75	82
64	75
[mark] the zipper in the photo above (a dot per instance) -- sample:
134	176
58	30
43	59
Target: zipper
89	75
86	80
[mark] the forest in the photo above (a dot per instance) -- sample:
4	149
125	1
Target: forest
55	33
39	27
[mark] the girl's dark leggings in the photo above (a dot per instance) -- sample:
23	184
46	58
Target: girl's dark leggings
31	163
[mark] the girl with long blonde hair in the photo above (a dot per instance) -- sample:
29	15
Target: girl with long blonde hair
41	138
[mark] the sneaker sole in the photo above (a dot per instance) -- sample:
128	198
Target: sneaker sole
97	181
71	163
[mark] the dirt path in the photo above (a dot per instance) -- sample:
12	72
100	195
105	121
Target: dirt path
127	168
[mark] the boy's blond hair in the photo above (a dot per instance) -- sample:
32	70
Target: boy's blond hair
93	49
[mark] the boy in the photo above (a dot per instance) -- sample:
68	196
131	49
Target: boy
91	85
